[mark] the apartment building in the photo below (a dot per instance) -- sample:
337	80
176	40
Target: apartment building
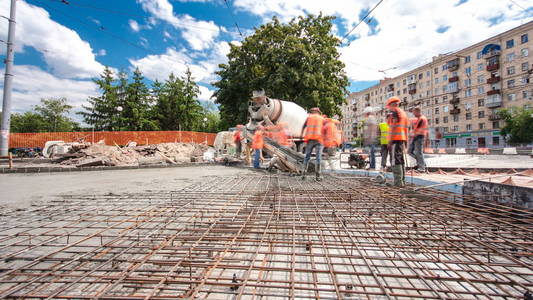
460	92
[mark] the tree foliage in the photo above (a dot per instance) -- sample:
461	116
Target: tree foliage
169	105
296	62
49	116
518	127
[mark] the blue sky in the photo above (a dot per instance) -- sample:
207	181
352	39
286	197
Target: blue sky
60	47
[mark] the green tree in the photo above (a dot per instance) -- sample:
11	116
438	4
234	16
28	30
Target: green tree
518	127
136	105
296	62
101	113
54	113
177	106
27	122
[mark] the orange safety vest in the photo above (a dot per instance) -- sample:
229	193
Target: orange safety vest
398	129
421	126
281	136
258	141
313	130
237	136
331	136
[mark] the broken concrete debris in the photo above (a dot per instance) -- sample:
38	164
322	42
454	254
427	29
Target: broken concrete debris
99	154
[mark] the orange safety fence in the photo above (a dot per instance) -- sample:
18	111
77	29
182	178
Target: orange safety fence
17	140
428	150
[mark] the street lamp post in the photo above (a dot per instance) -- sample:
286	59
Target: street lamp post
119	110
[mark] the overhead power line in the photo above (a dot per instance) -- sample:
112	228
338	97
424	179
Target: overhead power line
362	20
234	20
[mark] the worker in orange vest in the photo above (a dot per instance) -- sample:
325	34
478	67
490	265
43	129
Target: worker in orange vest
258	144
313	139
331	139
398	134
419	141
237	139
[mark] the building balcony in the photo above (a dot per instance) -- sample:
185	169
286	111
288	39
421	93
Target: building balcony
494	117
454	101
493	92
453	64
453	79
366	97
492	53
412	92
493	67
493	104
455	111
493	79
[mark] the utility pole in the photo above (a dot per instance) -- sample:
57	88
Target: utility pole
8	80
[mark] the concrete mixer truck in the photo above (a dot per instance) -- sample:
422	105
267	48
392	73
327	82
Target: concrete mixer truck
266	111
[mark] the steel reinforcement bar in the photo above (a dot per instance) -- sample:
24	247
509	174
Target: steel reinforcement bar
267	237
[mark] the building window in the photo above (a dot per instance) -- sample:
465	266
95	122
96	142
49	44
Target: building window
510	83
480	90
526	94
468	105
420	75
445	129
455	128
511	97
436	71
481	79
436	80
444	77
525	79
445	119
510	57
495	140
481	114
404	90
480	67
427	83
404	82
468	70
479	54
436	120
495	124
524	38
469	128
524	52
525	66
510	70
509	44
445	67
468	82
481	126
467	59
436	110
468	116
481	102
468	93
445	108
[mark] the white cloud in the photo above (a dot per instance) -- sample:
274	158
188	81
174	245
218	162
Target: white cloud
205	94
65	53
134	25
102	52
199	34
30	84
202	66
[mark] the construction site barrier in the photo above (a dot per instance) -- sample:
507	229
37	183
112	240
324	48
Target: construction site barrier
429	150
460	151
509	151
483	150
19	140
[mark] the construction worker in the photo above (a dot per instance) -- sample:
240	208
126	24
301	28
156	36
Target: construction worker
237	139
257	144
384	142
331	139
419	141
370	134
398	134
313	138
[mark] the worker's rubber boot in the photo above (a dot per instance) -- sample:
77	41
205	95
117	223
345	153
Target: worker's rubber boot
317	173
397	174
304	171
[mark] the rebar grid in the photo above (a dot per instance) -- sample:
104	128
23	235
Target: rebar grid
268	237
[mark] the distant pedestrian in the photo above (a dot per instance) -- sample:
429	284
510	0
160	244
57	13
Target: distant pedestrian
370	134
313	139
398	134
419	141
258	144
237	139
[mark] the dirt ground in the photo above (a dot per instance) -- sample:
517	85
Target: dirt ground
21	190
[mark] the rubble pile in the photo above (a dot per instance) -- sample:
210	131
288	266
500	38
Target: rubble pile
99	154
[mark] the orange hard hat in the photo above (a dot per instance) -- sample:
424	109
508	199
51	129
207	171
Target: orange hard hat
393	100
